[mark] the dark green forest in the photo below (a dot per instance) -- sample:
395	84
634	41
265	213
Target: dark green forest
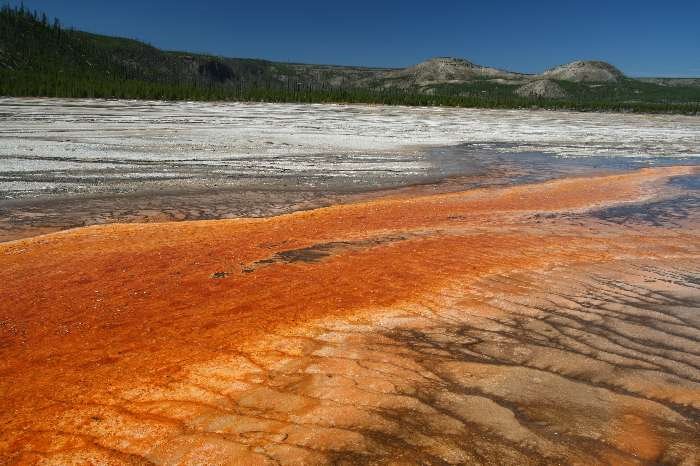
40	57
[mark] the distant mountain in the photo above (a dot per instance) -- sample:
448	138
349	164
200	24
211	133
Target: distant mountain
679	82
585	71
38	57
442	70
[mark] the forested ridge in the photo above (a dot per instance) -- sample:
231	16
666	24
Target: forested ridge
40	57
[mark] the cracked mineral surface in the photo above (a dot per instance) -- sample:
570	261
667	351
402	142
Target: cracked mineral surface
549	322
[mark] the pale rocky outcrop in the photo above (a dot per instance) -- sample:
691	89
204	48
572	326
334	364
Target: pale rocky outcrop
544	89
585	71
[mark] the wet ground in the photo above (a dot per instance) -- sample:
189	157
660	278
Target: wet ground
452	169
70	163
529	296
518	325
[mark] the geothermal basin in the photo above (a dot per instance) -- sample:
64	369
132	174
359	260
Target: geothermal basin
284	284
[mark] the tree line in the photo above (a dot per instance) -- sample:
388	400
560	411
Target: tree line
40	57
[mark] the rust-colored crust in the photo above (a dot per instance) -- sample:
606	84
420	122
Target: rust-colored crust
95	321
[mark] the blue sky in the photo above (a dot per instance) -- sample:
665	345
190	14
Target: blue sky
643	38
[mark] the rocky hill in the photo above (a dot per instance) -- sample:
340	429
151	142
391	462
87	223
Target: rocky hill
441	70
585	71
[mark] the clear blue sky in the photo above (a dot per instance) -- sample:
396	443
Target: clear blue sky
643	38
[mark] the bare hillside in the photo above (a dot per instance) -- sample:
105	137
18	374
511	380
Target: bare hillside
451	70
543	89
585	71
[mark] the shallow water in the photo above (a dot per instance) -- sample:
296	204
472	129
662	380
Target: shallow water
70	163
516	325
260	193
